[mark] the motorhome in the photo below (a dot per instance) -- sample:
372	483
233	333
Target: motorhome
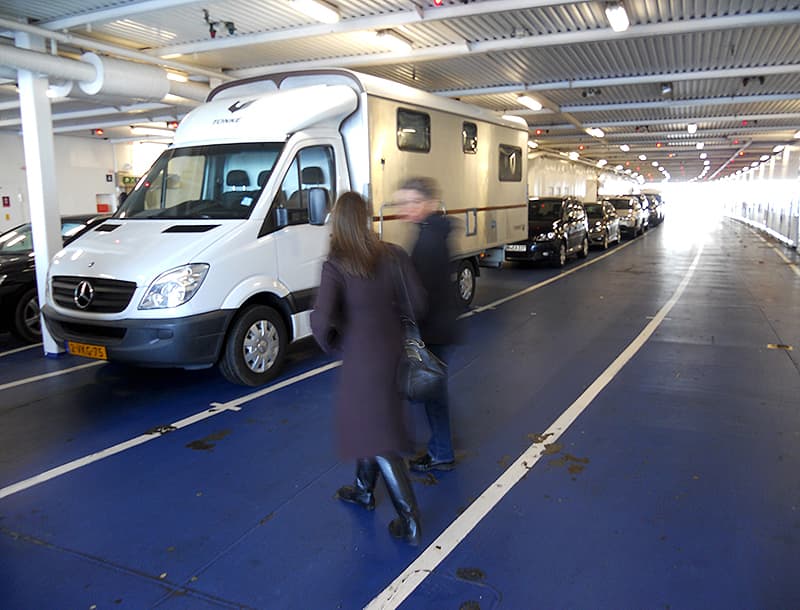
215	256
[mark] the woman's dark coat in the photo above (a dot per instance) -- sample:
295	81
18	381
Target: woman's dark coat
361	319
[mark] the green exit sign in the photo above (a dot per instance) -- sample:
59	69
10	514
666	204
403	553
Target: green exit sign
129	180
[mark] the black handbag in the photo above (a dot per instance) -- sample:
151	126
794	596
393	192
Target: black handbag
420	374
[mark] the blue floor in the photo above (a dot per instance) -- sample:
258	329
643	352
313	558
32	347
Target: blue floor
676	488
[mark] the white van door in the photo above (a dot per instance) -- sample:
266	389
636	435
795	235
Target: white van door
301	247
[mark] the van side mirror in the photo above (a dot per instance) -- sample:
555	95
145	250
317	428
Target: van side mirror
317	205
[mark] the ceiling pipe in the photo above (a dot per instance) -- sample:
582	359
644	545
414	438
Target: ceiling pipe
111	14
88	43
105	75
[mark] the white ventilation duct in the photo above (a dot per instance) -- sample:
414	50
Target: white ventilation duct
116	77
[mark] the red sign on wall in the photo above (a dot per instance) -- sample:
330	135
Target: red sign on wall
6	201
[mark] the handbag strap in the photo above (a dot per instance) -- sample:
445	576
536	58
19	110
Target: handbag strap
406	299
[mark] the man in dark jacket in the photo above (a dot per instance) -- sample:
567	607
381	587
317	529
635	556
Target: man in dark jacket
421	203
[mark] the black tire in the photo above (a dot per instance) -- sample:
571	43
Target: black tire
465	284
27	322
561	259
255	347
584	251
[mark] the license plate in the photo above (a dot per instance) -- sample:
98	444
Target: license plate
516	248
86	350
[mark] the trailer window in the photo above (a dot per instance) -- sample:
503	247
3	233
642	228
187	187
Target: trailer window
510	163
469	138
413	131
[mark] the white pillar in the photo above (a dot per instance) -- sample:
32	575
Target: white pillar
37	138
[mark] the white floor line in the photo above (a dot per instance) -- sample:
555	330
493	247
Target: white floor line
792	265
13	384
19	349
405	584
534	287
216	409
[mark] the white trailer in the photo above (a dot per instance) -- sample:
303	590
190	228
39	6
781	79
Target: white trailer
216	254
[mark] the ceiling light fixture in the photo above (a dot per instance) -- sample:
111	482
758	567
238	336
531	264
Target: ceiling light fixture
691	128
654	164
595	132
778	148
317	9
617	17
624	147
642	157
765	157
602	163
528	101
797	135
703	155
394	41
141	130
700	146
574	155
532	144
666	88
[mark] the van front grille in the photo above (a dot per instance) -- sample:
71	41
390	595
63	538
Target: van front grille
107	296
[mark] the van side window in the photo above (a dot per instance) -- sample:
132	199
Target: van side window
469	138
413	130
510	163
312	168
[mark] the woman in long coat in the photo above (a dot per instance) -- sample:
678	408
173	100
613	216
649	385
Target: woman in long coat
357	313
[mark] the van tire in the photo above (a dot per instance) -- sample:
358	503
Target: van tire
27	322
255	347
465	284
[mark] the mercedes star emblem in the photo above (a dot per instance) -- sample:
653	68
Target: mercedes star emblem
83	294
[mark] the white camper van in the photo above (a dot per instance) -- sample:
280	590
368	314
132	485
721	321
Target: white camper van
215	256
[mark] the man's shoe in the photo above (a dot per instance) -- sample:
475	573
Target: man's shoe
351	494
424	463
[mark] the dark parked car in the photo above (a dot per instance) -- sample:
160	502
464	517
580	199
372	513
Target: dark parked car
19	304
603	223
557	227
631	215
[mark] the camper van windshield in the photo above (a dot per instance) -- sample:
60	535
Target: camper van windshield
219	181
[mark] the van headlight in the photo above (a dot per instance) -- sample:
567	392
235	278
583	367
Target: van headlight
174	287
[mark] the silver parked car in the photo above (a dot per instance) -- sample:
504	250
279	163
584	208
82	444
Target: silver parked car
631	215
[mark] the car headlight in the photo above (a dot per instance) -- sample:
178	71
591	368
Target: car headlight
546	236
2	279
174	287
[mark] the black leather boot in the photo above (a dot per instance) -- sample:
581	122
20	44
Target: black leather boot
361	492
406	526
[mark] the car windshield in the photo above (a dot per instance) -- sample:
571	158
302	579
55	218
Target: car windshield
20	239
219	181
545	209
622	204
594	210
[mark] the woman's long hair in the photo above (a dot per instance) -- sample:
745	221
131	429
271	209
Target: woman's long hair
354	245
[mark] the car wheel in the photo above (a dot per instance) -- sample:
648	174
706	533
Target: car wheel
27	322
465	284
255	348
561	259
584	251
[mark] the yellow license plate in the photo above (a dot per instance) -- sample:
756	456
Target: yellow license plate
86	350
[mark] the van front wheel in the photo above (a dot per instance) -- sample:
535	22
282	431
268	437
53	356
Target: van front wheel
465	284
255	348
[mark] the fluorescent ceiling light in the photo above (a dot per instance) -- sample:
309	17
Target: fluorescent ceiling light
754	164
764	157
532	144
700	146
624	147
706	162
515	119
595	132
617	17
394	41
317	9
703	155
138	130
528	101
691	128
642	157
619	168
797	135
778	148
628	171
574	156
602	163
654	164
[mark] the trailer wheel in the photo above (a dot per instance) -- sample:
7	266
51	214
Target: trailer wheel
255	347
27	323
465	283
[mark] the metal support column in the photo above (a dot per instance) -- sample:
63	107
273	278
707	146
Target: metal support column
37	139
